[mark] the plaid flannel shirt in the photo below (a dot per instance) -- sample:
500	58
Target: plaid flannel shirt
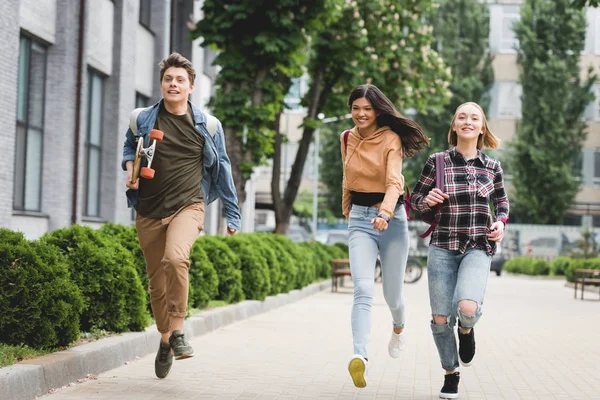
465	217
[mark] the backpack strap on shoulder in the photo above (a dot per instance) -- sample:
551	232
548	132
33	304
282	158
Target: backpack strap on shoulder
211	124
133	119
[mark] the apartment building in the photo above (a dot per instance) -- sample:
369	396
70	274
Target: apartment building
70	74
505	108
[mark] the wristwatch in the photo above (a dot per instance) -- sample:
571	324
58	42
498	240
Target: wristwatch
384	217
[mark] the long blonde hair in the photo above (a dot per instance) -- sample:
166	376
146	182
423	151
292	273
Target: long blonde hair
486	138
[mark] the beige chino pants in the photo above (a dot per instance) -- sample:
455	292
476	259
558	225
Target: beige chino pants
166	244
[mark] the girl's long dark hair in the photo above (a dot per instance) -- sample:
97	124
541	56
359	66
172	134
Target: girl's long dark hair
411	135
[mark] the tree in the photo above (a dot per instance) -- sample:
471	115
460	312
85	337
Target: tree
382	42
550	135
260	46
461	30
585	3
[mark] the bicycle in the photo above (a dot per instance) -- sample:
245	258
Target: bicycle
414	270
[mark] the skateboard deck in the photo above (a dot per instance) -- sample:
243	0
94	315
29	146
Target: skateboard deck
145	153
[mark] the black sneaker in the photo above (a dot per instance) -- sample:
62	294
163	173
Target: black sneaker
450	388
163	361
181	347
466	347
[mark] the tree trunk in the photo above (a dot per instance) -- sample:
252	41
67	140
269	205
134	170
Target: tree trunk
319	95
281	225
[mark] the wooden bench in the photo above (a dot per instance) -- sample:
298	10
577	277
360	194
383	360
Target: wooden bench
586	277
339	269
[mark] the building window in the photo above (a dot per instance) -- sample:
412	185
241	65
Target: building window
597	167
506	100
145	6
94	144
30	126
572	220
502	35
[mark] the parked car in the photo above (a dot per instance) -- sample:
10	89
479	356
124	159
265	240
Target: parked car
498	260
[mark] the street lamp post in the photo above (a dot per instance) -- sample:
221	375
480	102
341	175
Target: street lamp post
315	210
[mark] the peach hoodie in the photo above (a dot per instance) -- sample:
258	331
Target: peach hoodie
373	164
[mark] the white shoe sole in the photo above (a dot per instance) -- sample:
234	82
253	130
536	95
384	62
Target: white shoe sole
357	372
448	395
464	364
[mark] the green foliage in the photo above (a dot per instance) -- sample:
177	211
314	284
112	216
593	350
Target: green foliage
204	281
287	264
464	47
585	3
527	266
39	305
303	260
227	265
590	263
559	265
114	298
256	280
267	252
344	248
551	133
10	355
390	47
262	46
322	258
127	237
587	246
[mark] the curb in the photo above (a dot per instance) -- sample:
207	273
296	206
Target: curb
35	377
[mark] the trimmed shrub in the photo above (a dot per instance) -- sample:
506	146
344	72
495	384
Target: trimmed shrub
287	264
127	236
256	281
527	266
204	282
339	252
559	265
307	265
39	304
114	299
582	263
227	265
322	258
268	253
344	247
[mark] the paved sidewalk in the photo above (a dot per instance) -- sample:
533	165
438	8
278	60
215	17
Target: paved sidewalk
534	341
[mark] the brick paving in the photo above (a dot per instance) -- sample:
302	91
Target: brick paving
534	341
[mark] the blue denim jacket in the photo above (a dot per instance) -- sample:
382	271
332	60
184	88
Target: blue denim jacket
217	180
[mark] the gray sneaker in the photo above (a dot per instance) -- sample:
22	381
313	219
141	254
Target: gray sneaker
181	347
163	361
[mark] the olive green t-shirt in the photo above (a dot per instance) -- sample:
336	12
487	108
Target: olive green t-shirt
177	164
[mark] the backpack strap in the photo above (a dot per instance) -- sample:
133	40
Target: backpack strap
211	124
346	133
439	183
133	119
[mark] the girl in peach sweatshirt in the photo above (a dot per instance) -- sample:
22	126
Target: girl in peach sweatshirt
373	203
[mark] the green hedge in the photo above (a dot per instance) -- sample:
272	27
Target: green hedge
527	266
127	237
227	265
589	263
256	279
204	281
39	304
78	278
114	299
287	265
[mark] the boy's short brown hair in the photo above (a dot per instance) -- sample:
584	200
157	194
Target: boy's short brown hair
178	61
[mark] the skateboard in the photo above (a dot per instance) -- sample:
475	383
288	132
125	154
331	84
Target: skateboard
148	154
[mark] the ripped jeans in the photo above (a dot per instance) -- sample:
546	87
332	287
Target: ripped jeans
454	276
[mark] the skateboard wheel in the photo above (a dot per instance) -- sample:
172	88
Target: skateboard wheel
156	134
147	173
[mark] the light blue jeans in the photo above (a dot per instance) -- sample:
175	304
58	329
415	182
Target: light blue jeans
455	276
364	243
